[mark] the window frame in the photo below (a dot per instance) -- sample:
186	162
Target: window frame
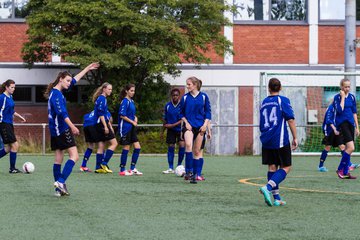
275	22
12	18
332	21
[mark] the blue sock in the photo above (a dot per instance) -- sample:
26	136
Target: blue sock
134	158
275	190
170	156
87	155
56	171
200	166
181	155
195	166
67	170
2	152
108	155
123	159
99	159
188	162
345	162
12	160
323	157
276	179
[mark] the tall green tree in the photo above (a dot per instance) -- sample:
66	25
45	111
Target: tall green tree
135	41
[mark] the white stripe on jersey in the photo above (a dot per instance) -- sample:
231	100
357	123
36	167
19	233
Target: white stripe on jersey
57	126
2	109
121	127
281	142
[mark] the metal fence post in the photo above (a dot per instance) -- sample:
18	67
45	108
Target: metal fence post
43	138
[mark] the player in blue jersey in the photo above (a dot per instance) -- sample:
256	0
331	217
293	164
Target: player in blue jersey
347	123
127	131
91	136
7	114
61	128
275	112
172	122
331	136
105	132
195	111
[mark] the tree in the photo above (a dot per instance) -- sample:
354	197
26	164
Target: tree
135	41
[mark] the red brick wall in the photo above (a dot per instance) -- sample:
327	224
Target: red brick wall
245	103
271	44
13	35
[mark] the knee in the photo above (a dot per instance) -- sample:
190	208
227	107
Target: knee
14	147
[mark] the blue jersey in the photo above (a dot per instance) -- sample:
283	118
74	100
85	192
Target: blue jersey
127	109
329	119
172	115
346	114
195	109
57	111
107	116
90	119
100	108
274	112
7	108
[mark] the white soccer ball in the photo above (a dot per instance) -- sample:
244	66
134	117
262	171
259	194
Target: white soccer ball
180	171
28	167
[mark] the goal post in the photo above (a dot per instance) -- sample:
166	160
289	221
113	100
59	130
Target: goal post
310	94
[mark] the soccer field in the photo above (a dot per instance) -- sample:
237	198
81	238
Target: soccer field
158	206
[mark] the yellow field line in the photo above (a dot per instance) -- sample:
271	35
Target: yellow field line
247	181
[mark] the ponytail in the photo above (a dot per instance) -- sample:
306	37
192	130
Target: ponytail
99	90
61	75
5	84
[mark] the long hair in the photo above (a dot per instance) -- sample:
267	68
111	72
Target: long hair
125	88
60	75
5	84
197	82
99	90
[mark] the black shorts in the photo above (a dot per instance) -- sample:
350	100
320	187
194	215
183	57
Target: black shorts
129	138
102	137
173	137
91	135
7	133
332	140
203	142
279	157
347	132
194	130
64	141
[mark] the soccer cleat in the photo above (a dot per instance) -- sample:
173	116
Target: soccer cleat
193	179
136	172
267	195
349	176
100	170
323	169
278	203
340	174
354	166
57	193
62	188
126	173
14	170
188	176
85	169
168	171
106	168
200	178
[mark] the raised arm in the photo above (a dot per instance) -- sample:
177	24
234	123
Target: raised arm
90	67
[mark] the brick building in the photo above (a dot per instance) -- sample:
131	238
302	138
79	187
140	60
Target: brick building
267	37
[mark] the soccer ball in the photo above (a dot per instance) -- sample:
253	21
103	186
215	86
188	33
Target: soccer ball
180	171
28	167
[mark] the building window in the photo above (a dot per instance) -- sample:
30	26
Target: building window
275	10
23	94
10	9
335	9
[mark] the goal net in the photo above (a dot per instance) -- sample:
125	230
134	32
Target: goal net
310	94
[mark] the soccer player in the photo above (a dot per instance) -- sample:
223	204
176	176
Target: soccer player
275	111
331	136
62	130
347	122
195	111
172	122
7	114
127	131
105	132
